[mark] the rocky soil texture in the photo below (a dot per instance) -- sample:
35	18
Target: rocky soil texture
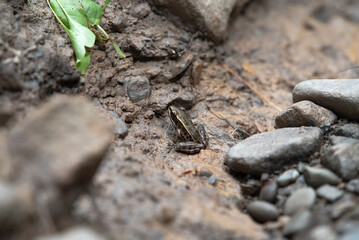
93	156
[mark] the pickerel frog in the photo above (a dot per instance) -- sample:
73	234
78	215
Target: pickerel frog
190	138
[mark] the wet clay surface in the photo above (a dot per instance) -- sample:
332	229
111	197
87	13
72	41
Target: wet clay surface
144	189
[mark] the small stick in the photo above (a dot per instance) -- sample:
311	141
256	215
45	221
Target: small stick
235	127
185	172
264	99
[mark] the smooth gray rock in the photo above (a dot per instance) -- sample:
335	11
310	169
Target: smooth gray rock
297	223
334	140
353	186
262	211
269	192
342	207
138	88
208	16
301	199
304	113
269	151
342	158
339	95
121	129
287	177
77	233
323	232
329	193
12	208
348	130
316	177
350	235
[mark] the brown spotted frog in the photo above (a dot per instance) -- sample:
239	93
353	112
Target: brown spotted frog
190	138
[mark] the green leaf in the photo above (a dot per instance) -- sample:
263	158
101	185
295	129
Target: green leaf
78	17
106	3
81	36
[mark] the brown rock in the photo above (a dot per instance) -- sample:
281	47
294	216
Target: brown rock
58	147
304	113
233	225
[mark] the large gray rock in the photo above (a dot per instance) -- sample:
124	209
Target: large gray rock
269	151
304	113
60	145
208	16
339	95
342	157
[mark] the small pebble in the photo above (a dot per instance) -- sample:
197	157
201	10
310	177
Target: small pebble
121	128
323	232
212	180
316	177
348	130
262	211
175	88
287	177
353	234
297	223
340	208
329	193
302	198
353	186
205	172
76	233
269	192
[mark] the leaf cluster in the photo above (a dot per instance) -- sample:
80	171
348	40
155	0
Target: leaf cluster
79	19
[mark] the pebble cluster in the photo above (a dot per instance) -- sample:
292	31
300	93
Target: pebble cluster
302	178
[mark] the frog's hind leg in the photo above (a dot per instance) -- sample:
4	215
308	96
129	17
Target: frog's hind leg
188	147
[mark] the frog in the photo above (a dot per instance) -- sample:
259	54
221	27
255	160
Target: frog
190	138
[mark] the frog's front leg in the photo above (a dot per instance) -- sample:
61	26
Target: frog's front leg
189	147
203	134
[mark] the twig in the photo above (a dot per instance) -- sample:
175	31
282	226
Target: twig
264	99
185	172
235	127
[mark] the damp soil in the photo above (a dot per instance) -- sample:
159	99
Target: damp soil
144	189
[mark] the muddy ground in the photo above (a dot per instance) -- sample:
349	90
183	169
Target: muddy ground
144	189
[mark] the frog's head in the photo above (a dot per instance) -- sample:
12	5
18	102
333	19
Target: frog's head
175	113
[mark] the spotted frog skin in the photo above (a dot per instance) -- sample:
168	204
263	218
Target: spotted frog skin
190	138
